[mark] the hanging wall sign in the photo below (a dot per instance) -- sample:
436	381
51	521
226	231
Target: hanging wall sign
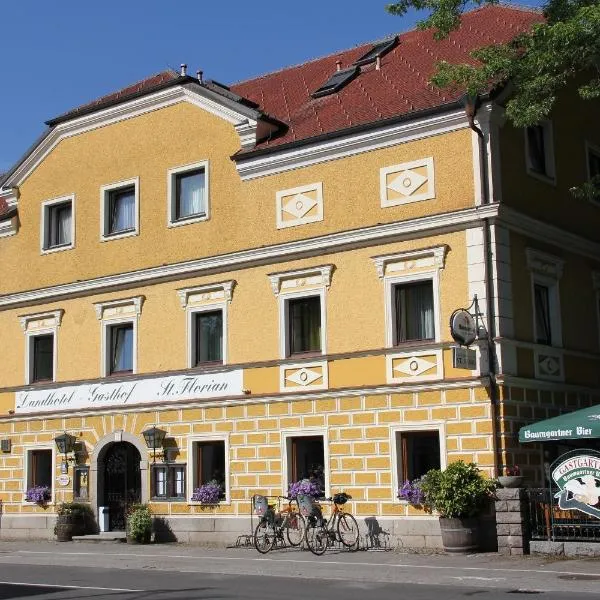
578	479
463	327
129	392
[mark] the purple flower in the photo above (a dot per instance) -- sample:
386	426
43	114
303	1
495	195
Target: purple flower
208	493
38	493
411	492
307	487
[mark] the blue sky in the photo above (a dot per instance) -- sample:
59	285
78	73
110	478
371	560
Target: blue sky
57	55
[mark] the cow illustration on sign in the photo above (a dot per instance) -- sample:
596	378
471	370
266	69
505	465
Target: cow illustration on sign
578	480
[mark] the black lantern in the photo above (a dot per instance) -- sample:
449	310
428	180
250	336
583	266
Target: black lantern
154	439
65	444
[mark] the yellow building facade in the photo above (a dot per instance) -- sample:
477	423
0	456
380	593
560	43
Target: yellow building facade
282	312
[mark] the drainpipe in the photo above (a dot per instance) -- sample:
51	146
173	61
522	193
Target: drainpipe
471	104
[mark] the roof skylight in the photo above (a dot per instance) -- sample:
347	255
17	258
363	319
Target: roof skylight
377	50
336	82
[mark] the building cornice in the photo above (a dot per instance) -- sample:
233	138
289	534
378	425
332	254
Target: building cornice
246	122
430	225
281	160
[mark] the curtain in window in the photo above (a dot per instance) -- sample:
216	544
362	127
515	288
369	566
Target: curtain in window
209	337
542	314
160	481
305	325
537	151
59	233
414	312
178	482
122	211
190	194
122	349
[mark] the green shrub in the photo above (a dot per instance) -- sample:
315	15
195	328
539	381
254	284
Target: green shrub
139	523
460	491
74	508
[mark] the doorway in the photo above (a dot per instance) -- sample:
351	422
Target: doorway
122	481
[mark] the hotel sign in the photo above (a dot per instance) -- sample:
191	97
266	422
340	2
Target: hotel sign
131	392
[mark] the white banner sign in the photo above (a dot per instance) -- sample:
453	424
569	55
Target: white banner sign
126	393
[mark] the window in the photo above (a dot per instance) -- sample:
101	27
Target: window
119	325
208	337
336	82
42	358
413	312
188	194
120	209
539	150
305	458
304	325
168	482
543	328
209	464
302	310
416	450
81	483
41	342
419	452
58	231
121	348
40	467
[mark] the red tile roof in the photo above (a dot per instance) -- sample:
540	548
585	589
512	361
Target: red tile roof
4	210
399	88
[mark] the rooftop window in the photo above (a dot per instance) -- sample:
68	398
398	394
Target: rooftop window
336	82
377	50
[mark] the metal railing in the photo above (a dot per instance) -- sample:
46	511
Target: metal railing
547	521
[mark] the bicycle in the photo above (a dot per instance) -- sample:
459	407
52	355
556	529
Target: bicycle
320	532
271	527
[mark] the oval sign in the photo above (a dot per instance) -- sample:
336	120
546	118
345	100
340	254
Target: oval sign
63	480
463	328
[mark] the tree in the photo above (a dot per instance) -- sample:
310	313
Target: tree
562	50
538	63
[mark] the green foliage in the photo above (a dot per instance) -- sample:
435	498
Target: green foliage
538	63
139	523
460	491
74	508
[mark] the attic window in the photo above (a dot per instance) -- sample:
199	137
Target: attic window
336	82
377	50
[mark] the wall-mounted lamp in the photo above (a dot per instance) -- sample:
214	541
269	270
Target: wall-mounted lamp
154	439
66	444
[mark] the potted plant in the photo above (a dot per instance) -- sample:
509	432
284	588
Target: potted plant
458	494
208	493
139	524
511	477
40	494
305	487
73	519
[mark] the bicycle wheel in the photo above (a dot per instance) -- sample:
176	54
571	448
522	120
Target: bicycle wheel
264	537
317	538
347	529
295	528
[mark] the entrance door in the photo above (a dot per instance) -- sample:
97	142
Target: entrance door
122	481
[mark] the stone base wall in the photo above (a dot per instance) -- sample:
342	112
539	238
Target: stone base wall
511	521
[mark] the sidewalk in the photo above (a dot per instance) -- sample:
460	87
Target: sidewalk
477	570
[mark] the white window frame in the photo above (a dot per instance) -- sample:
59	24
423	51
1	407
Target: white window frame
50	329
191	466
284	320
106	346
390	312
192	311
286	455
172	199
550	175
133	309
27	449
439	426
44	221
546	270
105	191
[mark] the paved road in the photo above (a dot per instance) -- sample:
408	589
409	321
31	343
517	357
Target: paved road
177	572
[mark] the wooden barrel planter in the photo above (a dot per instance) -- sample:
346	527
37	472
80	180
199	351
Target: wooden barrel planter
460	535
65	527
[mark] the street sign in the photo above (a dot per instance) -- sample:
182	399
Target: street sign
463	327
464	358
